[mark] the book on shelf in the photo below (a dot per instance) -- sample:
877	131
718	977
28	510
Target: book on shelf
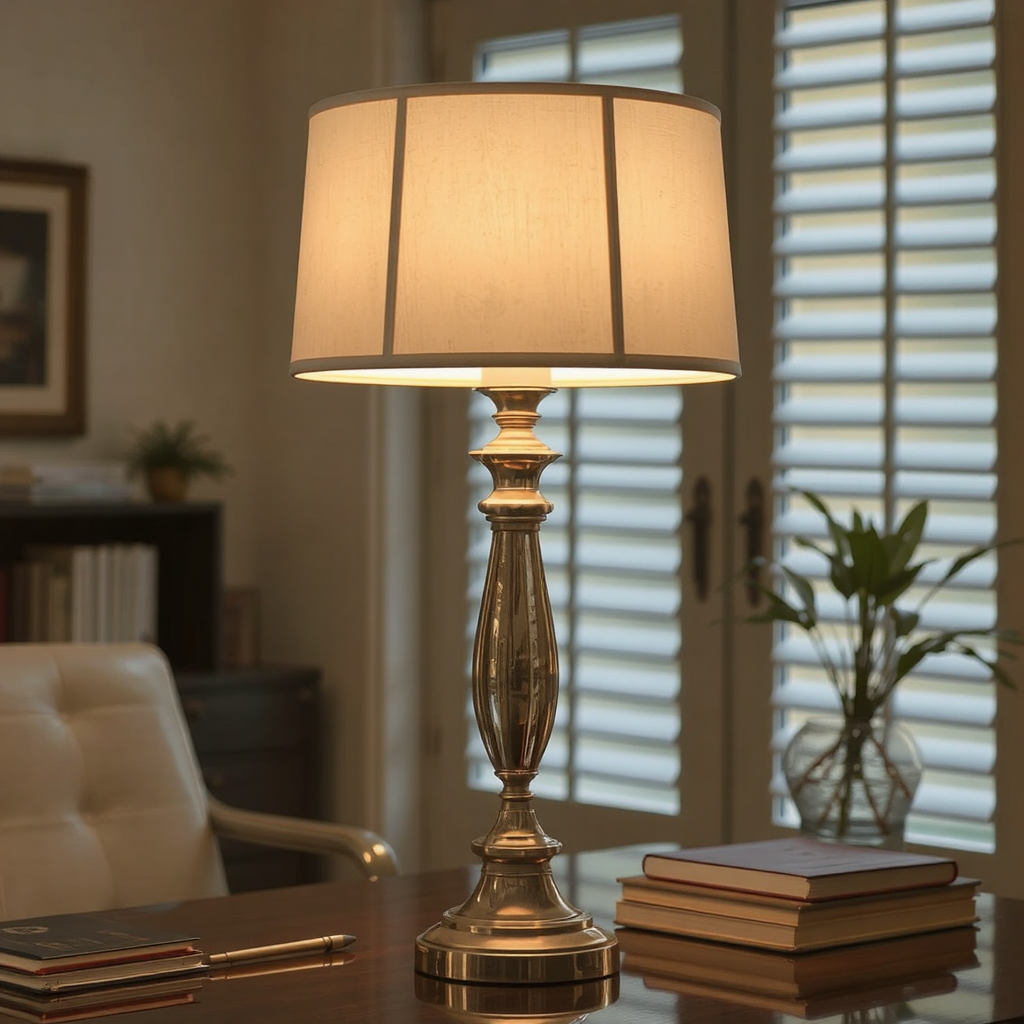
800	868
84	593
805	925
86	1003
797	976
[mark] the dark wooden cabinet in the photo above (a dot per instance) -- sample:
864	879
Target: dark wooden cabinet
254	731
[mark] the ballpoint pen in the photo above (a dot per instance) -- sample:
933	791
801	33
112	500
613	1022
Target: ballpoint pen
322	944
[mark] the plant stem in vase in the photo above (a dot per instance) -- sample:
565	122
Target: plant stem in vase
853	781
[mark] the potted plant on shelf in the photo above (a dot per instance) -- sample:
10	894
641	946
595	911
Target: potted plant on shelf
854	780
170	456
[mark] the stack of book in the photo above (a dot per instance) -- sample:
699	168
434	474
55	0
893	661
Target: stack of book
795	895
64	482
74	952
82	593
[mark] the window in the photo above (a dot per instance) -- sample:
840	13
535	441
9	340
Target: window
612	547
875	341
885	342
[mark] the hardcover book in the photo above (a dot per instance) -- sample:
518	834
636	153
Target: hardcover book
800	935
75	978
46	945
800	868
957	897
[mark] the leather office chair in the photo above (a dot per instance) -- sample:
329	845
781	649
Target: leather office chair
102	803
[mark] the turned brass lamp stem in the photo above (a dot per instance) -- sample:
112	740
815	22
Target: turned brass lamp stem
516	927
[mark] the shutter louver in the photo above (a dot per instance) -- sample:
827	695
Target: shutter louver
885	349
612	545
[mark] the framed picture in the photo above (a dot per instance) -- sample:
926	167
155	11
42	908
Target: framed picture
42	298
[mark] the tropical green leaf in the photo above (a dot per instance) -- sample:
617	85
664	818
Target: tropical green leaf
838	534
840	574
870	561
780	610
877	570
805	592
904	623
898	584
992	664
908	536
965	559
916	653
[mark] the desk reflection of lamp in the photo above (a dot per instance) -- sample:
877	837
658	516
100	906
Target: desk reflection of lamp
515	238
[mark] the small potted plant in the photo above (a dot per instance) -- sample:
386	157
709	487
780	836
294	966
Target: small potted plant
854	780
170	456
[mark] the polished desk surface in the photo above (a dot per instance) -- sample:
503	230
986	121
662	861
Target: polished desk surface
378	983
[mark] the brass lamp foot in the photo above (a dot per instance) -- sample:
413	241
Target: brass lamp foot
516	928
501	956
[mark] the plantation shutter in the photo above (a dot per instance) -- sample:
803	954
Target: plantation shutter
885	343
612	545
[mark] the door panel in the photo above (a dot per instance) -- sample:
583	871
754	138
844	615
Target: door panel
457	29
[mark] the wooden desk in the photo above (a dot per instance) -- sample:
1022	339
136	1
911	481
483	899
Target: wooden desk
379	985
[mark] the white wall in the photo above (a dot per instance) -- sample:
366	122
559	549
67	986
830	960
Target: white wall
191	115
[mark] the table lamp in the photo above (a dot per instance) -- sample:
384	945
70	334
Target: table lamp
515	238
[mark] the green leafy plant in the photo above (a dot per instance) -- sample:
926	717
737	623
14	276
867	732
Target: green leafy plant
879	639
175	446
879	577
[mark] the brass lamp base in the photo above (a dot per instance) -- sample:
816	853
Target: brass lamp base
439	953
516	928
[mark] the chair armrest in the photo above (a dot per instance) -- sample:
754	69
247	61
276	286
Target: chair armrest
367	849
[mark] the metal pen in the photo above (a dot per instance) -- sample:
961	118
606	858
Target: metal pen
322	944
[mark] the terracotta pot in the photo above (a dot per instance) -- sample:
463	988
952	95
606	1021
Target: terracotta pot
166	483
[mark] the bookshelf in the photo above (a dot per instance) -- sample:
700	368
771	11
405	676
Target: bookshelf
187	537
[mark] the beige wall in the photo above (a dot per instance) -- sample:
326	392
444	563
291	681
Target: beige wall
154	99
191	115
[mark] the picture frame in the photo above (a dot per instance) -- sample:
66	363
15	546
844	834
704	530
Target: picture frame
42	298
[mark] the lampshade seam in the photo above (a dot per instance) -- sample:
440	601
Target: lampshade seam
394	232
614	247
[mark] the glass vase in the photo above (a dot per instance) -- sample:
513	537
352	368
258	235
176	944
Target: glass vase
853	781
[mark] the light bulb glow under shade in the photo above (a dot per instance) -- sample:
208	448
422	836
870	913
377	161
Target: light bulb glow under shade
461	234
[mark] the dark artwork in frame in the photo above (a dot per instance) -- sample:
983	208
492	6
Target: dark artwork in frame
42	298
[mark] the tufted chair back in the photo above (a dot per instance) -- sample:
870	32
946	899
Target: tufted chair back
101	800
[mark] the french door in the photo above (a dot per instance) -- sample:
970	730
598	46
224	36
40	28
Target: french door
730	456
